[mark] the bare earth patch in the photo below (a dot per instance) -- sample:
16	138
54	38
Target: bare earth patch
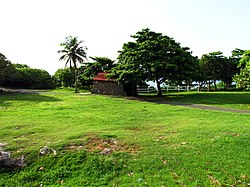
103	146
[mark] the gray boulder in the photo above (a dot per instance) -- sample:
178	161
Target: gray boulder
7	161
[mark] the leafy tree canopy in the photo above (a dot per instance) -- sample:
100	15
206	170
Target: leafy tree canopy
242	78
152	56
21	66
6	68
90	69
215	66
64	77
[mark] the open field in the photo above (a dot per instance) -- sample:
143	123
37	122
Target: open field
151	144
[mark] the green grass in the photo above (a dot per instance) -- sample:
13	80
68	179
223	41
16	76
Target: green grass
158	145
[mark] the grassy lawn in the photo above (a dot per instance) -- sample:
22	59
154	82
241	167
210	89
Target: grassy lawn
151	144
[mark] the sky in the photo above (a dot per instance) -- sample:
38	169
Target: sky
31	30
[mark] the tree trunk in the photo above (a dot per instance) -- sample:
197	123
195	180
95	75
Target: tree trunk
76	80
227	85
208	86
199	86
159	92
134	90
215	86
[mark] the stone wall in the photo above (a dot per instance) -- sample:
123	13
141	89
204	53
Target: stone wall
107	88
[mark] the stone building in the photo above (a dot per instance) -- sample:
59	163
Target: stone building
103	85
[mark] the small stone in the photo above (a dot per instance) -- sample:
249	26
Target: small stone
114	141
3	144
46	150
41	168
4	154
105	151
139	180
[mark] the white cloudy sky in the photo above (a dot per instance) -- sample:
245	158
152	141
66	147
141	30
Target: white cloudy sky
31	30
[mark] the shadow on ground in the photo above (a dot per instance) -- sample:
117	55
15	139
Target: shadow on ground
215	98
36	97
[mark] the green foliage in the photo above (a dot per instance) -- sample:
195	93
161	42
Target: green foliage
242	79
26	77
154	57
64	77
90	69
236	56
214	66
73	53
21	66
86	72
22	76
188	68
6	69
104	64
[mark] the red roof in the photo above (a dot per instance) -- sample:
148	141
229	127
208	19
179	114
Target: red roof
102	77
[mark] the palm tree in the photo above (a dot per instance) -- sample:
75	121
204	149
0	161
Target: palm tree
73	53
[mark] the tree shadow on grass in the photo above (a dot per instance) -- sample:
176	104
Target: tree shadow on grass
212	98
6	99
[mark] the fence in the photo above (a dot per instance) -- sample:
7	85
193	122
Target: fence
167	89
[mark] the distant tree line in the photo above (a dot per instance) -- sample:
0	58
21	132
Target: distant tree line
150	56
156	57
22	76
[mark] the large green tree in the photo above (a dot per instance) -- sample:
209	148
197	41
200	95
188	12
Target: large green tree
212	65
73	53
242	78
151	57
